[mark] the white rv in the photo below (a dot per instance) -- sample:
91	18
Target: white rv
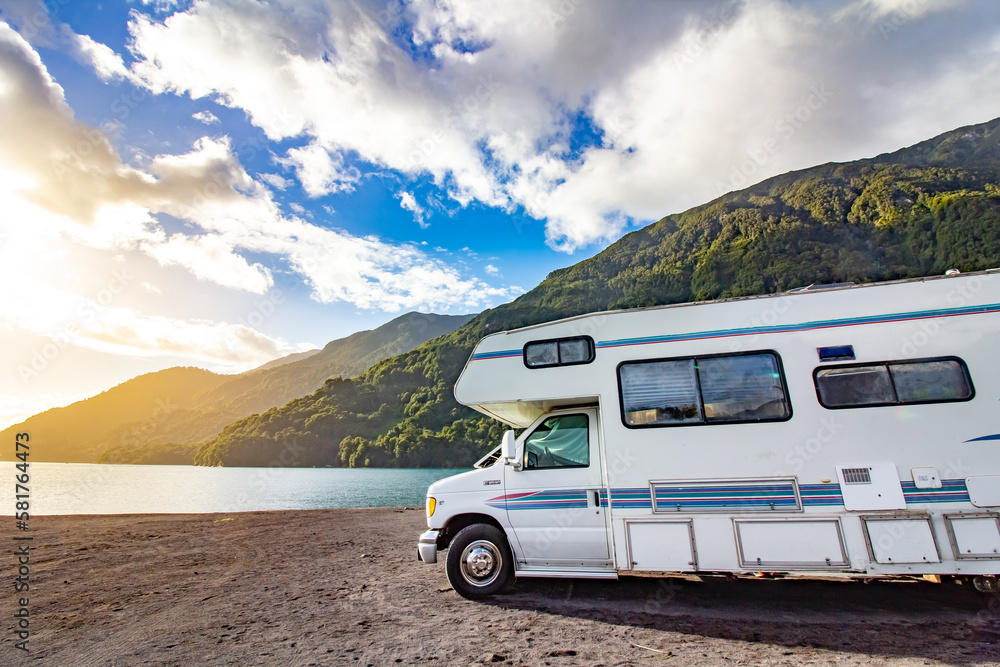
844	429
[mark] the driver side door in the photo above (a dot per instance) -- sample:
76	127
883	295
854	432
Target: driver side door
554	502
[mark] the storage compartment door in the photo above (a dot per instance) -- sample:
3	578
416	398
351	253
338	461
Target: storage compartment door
661	546
901	540
974	536
984	490
791	544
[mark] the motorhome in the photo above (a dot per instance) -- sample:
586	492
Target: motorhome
851	429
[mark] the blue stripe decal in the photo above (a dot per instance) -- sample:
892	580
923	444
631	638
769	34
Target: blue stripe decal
680	496
995	436
557	499
784	328
631	499
813	495
496	355
805	326
821	495
951	491
717	497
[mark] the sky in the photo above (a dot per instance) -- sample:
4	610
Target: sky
223	182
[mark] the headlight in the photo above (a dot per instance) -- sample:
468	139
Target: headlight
431	504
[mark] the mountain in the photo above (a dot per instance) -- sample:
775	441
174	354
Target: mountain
160	417
73	433
918	211
298	356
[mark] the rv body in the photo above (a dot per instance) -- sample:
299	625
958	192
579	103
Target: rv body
852	429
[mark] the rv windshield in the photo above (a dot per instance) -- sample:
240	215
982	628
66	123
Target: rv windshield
559	442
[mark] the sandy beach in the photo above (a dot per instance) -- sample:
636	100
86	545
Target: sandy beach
331	587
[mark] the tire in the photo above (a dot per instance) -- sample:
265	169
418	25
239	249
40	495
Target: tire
480	563
986	584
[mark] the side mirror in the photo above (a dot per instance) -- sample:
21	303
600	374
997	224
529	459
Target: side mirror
508	448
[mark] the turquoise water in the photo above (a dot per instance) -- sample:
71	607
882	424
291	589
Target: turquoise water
84	488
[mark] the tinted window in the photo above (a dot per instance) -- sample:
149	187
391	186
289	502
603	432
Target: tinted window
541	354
743	388
560	352
717	389
893	383
859	385
930	381
558	442
574	351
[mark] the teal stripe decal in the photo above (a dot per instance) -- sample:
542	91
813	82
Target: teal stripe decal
804	326
775	329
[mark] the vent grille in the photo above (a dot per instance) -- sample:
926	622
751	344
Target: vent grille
857	476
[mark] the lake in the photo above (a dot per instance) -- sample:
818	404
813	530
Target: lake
84	488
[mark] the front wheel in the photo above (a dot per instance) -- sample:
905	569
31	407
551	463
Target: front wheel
480	561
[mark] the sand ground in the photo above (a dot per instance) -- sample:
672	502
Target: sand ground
332	587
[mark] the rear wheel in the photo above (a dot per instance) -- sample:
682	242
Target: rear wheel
480	562
986	584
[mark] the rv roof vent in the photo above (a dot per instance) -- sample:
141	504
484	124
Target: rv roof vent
836	353
857	476
952	272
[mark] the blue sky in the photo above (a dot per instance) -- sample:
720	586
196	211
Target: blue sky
219	183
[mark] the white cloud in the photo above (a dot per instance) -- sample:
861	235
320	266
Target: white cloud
899	11
372	274
161	5
100	322
275	181
679	94
206	117
72	184
492	270
220	345
36	25
409	203
104	61
320	172
211	257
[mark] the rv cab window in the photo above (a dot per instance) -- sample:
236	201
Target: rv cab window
558	442
559	352
541	354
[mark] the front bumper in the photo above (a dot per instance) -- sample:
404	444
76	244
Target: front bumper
427	546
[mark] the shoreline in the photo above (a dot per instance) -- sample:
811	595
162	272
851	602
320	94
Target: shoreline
343	586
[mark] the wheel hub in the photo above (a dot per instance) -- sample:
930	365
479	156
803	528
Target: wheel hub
481	563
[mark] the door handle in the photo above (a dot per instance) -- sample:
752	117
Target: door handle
597	498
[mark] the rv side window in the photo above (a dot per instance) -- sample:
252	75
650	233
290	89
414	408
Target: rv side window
558	442
559	352
945	380
893	383
660	392
703	390
845	387
742	388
